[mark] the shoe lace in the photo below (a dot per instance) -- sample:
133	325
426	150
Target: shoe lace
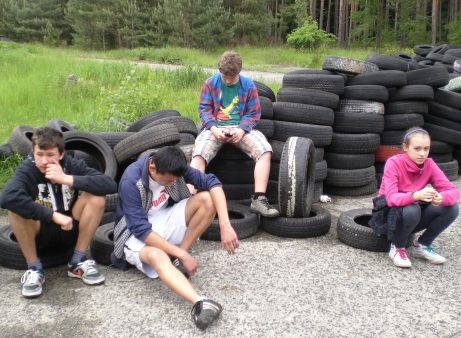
402	253
198	306
430	250
265	202
30	277
88	266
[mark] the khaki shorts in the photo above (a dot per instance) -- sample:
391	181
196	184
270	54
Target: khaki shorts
253	143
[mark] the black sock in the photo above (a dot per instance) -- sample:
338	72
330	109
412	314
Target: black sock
257	194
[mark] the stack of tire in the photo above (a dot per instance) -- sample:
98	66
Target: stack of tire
440	56
357	121
304	108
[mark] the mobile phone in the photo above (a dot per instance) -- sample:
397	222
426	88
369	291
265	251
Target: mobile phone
227	133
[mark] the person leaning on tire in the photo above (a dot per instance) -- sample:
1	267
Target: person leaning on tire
46	212
229	109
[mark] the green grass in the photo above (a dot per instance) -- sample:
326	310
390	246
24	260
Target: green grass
7	168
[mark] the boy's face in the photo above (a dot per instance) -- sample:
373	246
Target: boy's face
43	157
165	179
230	79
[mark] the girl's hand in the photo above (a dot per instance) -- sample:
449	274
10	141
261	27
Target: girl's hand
426	194
437	199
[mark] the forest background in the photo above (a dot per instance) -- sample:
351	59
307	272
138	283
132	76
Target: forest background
109	24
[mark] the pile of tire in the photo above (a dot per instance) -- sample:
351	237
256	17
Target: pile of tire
447	56
357	121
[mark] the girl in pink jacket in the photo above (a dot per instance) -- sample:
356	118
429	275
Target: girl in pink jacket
431	209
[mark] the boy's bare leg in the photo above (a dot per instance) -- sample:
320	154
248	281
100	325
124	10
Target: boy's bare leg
169	274
25	231
261	173
88	210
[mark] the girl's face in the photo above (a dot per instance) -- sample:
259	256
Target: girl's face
418	148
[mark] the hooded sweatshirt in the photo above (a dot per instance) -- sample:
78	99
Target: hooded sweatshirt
30	195
402	177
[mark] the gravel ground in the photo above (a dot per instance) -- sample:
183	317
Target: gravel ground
272	287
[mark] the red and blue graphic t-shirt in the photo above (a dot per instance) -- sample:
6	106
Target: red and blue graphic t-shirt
159	199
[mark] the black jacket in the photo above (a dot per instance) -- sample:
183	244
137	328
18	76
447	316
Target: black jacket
31	196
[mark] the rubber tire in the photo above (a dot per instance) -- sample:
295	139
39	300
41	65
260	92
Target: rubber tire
182	123
450	99
264	90
6	151
266	127
353	230
386	151
303	113
386	62
354	143
20	139
386	78
317	224
350	177
366	92
320	135
243	221
277	149
450	169
89	160
440	110
441	158
348	65
423	50
411	92
360	106
267	111
229	152
328	83
308	96
111	202
442	122
232	171
431	76
443	134
102	244
154	137
439	147
362	190
353	123
392	137
349	161
93	146
406	107
149	118
318	191
320	171
113	138
60	125
11	256
403	56
296	177
402	121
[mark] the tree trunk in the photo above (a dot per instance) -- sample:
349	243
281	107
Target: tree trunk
379	24
104	41
328	17
435	16
386	18
350	21
346	24
275	16
396	20
119	36
336	22
322	4
281	21
341	23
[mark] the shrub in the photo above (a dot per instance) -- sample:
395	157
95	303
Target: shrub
309	36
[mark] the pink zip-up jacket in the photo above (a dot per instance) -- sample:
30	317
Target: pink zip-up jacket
402	177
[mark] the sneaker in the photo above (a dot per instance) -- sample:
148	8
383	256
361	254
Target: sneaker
427	253
399	257
32	281
178	264
86	271
261	206
205	312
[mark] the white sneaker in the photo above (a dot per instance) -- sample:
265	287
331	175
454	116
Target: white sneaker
399	257
427	253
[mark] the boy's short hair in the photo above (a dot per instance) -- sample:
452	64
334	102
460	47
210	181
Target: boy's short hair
170	160
47	137
230	63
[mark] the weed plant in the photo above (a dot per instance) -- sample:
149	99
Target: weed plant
7	167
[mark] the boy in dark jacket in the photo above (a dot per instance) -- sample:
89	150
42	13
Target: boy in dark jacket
157	221
46	213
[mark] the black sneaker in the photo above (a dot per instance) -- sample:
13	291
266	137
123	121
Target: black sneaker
32	281
178	264
205	312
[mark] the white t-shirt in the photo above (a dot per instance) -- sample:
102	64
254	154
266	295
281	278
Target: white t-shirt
159	199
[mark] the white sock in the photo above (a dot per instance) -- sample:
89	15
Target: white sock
201	298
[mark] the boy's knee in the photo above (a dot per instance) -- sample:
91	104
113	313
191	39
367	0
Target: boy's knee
158	259
98	202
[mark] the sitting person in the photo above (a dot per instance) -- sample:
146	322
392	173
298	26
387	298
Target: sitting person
432	209
157	221
46	213
229	109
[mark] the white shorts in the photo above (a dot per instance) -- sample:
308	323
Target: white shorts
170	224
